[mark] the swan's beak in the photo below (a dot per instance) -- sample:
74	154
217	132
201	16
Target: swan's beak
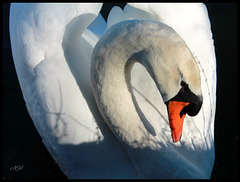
176	118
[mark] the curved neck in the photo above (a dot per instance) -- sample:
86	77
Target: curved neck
155	46
148	43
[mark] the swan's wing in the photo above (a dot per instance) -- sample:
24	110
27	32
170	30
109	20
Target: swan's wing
191	22
51	51
37	32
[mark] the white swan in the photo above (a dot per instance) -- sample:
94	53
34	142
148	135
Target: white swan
52	50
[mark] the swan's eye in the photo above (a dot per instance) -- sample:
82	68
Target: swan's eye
184	85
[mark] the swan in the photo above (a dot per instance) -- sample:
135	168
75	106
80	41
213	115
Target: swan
133	98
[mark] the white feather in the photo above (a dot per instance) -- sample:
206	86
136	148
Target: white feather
52	49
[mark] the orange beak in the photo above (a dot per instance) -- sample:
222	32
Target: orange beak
176	118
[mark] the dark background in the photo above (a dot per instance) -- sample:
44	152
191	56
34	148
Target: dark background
22	144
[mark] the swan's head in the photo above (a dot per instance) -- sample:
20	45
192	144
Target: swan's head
177	76
185	102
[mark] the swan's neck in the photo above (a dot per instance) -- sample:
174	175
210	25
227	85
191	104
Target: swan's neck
148	43
112	60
